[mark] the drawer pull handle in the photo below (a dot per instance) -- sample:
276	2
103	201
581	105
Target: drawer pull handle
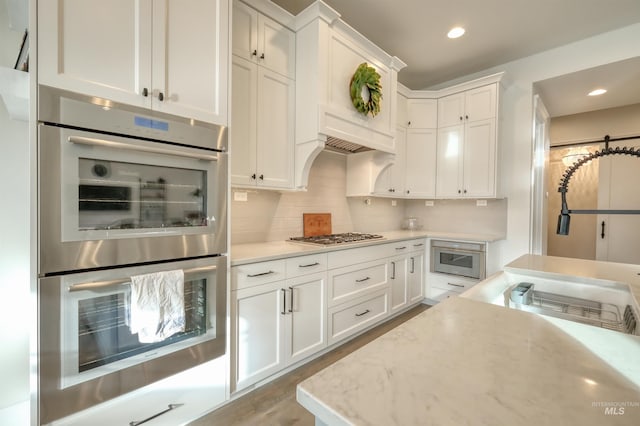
363	313
260	274
401	248
291	300
309	265
456	285
284	301
361	280
418	245
148	419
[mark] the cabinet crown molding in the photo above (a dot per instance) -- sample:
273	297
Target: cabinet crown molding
317	10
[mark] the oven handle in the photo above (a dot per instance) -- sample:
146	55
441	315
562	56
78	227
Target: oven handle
156	150
112	283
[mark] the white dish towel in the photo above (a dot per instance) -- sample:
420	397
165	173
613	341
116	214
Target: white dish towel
157	305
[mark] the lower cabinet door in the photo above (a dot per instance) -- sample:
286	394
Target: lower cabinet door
415	277
306	307
259	317
398	280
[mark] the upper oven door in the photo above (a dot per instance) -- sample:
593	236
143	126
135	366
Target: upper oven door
108	200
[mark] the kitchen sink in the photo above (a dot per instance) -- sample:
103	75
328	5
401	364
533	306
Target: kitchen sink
598	303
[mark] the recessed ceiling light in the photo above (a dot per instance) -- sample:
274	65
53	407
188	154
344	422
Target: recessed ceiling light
455	32
597	92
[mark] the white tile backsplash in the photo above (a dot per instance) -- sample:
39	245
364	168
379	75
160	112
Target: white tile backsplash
274	216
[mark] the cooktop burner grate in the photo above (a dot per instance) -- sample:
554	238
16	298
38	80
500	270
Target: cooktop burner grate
331	239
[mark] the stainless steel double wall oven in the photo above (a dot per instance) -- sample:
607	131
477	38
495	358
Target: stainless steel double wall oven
123	192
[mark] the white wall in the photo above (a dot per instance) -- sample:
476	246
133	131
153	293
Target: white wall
276	216
516	130
15	311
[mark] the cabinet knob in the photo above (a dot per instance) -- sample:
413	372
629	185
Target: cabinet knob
409	123
145	92
460	118
408	192
254	53
466	116
465	191
161	96
390	189
262	56
261	177
459	192
253	176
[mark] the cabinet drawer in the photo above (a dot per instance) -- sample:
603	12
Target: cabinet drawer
348	283
342	258
303	265
440	294
252	274
451	282
347	320
406	246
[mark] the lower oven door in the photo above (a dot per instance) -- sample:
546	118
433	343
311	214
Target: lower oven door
88	353
107	200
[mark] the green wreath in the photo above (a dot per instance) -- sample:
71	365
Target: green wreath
366	77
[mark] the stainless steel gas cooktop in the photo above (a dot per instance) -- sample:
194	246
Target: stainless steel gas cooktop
331	239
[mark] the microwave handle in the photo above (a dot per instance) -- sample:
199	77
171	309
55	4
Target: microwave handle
111	283
153	149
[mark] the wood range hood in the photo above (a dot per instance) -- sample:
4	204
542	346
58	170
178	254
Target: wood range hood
328	52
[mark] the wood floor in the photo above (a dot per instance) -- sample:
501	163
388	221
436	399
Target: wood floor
275	403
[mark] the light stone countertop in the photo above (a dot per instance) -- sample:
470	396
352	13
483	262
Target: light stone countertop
465	361
259	252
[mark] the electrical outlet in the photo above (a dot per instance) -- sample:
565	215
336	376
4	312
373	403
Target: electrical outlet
240	196
481	203
394	203
428	203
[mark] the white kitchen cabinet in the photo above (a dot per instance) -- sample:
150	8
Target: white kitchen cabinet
422	113
415	277
406	274
413	173
167	55
391	181
262	138
466	144
420	163
398	280
468	106
274	324
260	39
443	286
258	332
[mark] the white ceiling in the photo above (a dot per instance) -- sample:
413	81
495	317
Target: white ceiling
498	31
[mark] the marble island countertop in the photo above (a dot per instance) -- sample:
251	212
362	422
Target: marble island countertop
258	252
466	361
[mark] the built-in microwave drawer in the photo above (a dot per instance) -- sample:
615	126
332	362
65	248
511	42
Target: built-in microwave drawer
348	319
353	281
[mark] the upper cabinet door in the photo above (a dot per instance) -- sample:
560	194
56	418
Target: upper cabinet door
480	103
451	110
422	113
97	48
245	31
167	55
276	47
190	47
